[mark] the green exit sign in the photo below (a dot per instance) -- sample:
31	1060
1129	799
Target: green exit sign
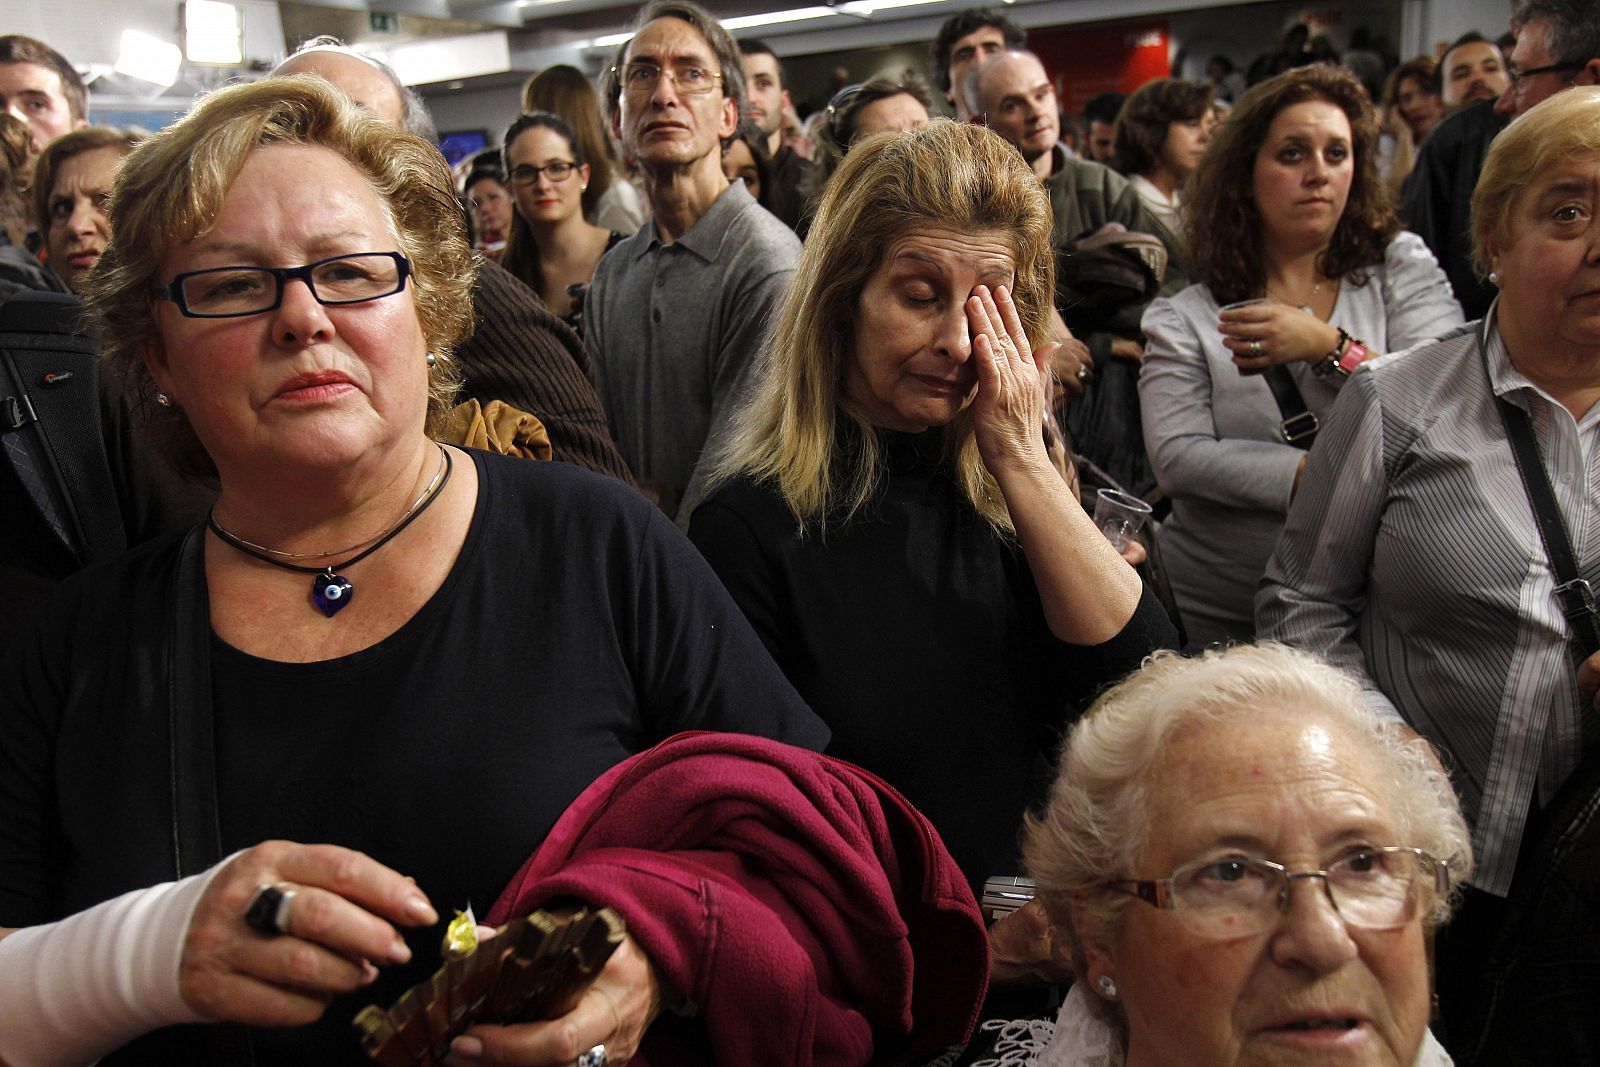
383	22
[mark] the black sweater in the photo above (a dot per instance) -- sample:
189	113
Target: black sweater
916	632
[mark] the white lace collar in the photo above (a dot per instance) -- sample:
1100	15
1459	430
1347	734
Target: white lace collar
1078	1039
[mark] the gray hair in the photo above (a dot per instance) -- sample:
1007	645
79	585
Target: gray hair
1574	35
729	58
414	117
1095	828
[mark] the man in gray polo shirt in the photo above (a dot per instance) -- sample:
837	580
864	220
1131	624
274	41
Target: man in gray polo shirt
677	313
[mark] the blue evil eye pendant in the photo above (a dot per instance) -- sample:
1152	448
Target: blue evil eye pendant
331	592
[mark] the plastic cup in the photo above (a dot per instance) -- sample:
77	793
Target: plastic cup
1244	304
1119	516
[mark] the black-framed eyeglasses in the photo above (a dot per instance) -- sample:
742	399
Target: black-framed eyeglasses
644	77
558	171
1518	77
226	292
1374	888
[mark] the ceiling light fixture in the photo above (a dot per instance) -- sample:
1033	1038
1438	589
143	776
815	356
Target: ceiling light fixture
148	58
211	32
857	8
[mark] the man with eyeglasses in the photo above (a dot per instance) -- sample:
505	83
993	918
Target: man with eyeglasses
1558	46
677	313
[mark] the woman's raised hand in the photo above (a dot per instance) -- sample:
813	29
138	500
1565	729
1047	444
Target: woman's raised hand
338	925
1010	407
1260	335
614	1010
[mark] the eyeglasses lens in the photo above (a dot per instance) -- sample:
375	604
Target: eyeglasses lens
245	290
1239	897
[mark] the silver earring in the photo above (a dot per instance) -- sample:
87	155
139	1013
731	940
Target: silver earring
1107	986
164	400
1494	277
432	359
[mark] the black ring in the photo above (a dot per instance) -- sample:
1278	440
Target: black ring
265	910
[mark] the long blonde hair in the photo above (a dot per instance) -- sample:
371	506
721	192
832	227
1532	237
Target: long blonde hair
945	174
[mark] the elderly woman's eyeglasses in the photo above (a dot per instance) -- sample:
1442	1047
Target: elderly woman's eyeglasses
1376	889
226	292
643	78
559	171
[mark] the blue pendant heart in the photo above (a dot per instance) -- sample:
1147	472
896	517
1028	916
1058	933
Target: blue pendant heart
331	592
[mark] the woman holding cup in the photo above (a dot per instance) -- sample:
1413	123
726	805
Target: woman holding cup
1304	274
887	515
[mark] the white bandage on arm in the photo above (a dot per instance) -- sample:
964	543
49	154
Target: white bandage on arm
74	990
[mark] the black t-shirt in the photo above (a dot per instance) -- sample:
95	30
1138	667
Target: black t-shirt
917	634
576	628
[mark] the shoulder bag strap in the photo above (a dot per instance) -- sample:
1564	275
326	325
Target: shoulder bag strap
196	829
1299	426
196	835
1577	598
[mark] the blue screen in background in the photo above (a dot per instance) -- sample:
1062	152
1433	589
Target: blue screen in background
459	144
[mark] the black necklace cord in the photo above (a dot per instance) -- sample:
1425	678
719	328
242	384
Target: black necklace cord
417	509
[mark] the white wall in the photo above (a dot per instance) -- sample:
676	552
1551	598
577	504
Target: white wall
482	109
1434	22
89	32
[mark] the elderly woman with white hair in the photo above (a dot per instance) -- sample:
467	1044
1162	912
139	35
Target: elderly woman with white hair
1244	864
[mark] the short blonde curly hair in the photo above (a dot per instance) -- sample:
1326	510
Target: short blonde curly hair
171	188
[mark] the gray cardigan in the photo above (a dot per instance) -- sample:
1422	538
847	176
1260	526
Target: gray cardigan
1211	432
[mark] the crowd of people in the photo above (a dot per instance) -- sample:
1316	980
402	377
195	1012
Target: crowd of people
717	488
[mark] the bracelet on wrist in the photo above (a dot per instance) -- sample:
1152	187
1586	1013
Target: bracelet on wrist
1346	356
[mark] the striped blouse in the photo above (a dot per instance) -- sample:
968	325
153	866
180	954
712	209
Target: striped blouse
1411	557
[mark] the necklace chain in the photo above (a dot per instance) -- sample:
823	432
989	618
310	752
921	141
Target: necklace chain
238	542
1316	289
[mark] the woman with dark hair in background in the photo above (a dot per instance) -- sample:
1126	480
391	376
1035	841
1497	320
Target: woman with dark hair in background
744	157
552	248
1411	109
488	204
1303	273
610	202
1226	83
1162	133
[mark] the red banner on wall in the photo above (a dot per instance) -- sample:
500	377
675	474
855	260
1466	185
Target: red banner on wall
1088	60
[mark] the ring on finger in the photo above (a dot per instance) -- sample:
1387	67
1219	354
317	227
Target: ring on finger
1255	348
268	912
595	1057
